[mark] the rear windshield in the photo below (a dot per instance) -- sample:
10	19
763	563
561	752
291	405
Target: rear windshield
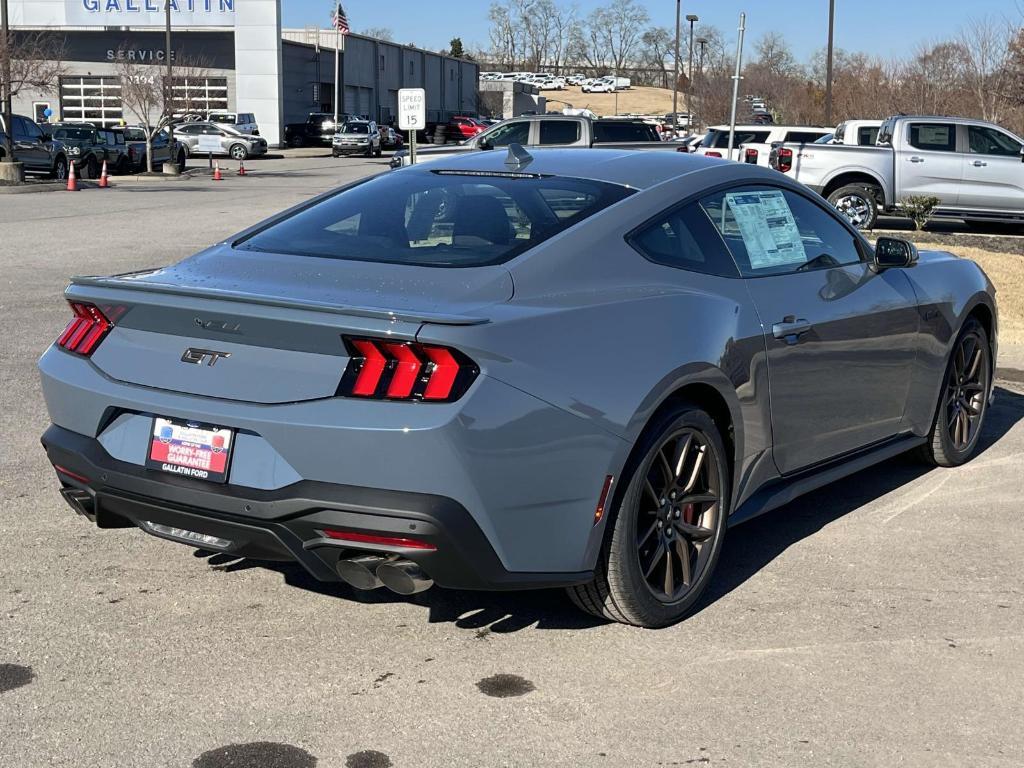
616	130
437	219
716	139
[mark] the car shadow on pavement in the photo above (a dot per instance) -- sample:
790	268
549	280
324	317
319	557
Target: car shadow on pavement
751	546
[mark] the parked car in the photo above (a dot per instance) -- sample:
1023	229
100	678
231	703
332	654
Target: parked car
34	149
319	129
135	142
390	138
357	137
863	133
89	147
756	137
461	127
450	429
575	131
238	146
972	167
599	86
243	122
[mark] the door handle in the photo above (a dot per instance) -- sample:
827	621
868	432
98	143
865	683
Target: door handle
916	159
979	164
790	329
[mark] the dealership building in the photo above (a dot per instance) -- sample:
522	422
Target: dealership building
234	56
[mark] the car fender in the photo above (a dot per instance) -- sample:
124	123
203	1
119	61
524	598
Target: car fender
860	170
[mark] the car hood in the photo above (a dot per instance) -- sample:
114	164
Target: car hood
359	287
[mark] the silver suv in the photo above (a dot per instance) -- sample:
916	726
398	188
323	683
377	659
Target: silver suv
233	143
357	137
243	122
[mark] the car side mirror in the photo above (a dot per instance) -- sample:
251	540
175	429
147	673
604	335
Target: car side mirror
484	144
1022	154
894	253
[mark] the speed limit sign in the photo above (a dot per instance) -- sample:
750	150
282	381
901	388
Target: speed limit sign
412	109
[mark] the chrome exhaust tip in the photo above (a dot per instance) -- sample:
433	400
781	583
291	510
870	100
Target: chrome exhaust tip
359	572
403	577
80	501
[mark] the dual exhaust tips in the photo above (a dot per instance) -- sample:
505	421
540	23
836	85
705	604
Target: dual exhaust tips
373	571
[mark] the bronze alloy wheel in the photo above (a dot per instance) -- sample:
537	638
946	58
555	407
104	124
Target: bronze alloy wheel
676	520
966	390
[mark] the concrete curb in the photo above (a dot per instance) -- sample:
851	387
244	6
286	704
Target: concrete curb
1014	375
44	186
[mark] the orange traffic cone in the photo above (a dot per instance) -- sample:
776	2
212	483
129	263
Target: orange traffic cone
216	172
72	180
104	181
241	168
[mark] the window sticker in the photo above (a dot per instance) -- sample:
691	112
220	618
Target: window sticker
933	134
768	229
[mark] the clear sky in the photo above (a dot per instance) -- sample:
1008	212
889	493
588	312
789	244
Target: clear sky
883	27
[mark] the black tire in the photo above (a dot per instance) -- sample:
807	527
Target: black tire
182	159
238	152
295	142
369	150
620	590
380	151
959	397
857	203
60	168
92	168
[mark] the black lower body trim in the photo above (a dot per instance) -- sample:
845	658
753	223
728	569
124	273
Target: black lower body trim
288	523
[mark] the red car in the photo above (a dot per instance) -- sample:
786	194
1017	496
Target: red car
464	128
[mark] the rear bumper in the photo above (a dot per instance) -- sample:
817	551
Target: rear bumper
286	524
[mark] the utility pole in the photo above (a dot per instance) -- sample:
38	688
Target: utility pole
703	43
675	79
693	19
171	166
736	81
828	61
5	83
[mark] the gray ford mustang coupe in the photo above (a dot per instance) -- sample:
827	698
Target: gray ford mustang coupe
573	368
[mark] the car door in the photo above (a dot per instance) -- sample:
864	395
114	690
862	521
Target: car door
511	132
841	338
559	132
29	147
992	170
929	165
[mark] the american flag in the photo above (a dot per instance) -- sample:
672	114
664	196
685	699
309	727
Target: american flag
340	21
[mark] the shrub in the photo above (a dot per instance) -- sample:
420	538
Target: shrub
918	209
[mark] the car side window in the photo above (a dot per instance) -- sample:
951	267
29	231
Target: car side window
803	137
866	137
512	133
559	131
685	239
982	140
773	231
20	131
934	137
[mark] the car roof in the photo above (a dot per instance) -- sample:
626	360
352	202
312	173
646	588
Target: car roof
637	169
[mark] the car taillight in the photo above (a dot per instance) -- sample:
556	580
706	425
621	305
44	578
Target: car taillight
88	327
784	160
750	155
713	154
400	370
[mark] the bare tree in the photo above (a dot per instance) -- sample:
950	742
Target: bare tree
657	50
614	33
35	61
379	33
155	100
986	44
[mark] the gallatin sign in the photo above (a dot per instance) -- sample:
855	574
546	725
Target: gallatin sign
143	13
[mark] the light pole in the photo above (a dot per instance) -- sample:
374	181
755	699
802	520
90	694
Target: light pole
171	166
675	76
736	82
703	43
693	19
828	61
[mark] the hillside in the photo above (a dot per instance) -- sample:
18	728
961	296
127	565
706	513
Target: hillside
642	100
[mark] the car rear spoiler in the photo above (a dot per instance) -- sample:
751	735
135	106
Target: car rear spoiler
130	281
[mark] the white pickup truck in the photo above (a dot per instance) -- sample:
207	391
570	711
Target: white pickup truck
752	143
974	168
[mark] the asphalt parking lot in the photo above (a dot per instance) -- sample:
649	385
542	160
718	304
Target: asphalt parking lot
879	621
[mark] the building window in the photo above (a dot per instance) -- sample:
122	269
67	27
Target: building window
199	94
91	100
382	63
412	68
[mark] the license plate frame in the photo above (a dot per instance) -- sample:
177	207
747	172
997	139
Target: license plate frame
191	449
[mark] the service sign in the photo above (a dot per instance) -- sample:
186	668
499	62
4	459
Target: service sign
149	13
208	144
412	109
